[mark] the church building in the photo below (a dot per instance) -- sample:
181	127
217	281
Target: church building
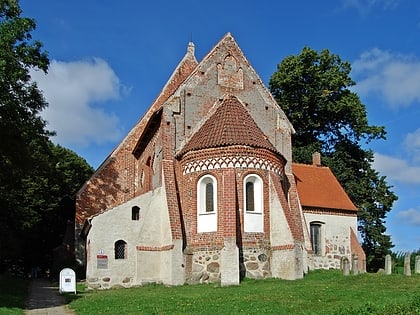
203	189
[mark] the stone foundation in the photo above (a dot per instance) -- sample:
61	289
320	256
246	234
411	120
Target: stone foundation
106	283
329	261
206	265
256	263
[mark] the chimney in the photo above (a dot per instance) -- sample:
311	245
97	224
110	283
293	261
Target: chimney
316	159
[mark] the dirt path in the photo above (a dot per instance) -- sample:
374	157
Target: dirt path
44	299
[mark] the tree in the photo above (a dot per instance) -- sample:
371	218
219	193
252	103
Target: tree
21	128
38	180
49	194
313	89
20	99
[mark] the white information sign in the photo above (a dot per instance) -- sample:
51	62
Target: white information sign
67	280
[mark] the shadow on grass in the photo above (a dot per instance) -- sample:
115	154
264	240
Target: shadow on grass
70	297
13	294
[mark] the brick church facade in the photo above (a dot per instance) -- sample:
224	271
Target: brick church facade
203	189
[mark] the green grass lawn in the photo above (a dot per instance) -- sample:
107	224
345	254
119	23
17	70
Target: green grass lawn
320	292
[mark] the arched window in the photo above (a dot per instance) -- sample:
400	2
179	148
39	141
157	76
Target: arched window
249	196
317	237
135	213
207	204
253	203
209	197
120	249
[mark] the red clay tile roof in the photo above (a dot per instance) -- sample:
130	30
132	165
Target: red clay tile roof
318	187
231	124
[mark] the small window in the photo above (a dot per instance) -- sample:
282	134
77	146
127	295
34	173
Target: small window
316	237
253	203
253	190
206	194
120	248
249	196
135	213
209	197
207	204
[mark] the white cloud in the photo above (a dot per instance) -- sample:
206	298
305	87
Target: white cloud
366	6
394	77
410	216
412	144
396	169
72	89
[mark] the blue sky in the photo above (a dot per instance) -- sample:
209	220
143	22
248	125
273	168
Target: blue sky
110	59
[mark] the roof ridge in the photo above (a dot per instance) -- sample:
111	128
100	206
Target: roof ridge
310	165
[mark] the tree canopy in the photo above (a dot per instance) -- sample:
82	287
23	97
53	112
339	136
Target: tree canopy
313	89
38	179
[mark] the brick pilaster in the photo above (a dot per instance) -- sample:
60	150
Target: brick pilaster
227	211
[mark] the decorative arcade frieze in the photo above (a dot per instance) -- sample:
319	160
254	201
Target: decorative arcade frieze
232	162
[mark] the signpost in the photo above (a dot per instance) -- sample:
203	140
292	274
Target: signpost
102	261
67	280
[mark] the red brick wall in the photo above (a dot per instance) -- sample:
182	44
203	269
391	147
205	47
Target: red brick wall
230	199
119	179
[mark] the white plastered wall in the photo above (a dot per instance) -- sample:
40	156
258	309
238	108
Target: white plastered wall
152	229
282	261
335	239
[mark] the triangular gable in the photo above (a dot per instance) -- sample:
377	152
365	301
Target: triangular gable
229	78
186	69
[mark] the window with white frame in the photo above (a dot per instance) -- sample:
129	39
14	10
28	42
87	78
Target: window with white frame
253	203
316	229
207	204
